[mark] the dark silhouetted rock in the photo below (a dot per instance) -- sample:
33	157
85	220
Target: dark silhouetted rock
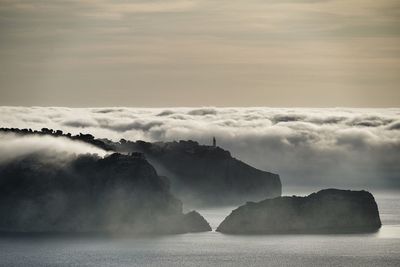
327	211
199	175
205	174
194	222
86	193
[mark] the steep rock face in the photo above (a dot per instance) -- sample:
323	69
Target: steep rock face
207	174
118	193
204	175
327	211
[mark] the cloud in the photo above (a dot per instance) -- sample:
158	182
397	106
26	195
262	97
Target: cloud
331	147
203	111
14	146
394	126
286	118
136	125
79	123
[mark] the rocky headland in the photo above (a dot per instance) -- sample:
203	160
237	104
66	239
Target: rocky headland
207	175
199	174
86	193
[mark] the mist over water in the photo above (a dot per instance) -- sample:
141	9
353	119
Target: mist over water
215	249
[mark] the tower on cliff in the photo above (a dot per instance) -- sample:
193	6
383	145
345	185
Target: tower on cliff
214	142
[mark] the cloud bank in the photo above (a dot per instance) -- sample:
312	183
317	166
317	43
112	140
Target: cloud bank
56	148
358	148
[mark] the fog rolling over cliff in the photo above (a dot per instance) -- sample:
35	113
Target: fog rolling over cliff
206	175
55	191
199	175
327	147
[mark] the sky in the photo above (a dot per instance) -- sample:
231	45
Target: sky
328	147
165	53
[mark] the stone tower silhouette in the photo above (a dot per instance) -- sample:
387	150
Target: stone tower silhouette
214	142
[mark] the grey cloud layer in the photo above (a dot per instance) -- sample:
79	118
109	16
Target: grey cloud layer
281	53
331	147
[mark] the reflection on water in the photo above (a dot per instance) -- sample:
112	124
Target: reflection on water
215	216
214	249
389	231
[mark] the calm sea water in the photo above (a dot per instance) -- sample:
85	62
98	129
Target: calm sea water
215	249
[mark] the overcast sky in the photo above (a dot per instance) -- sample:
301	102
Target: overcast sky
317	53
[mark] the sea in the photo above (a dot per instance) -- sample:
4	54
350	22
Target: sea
212	248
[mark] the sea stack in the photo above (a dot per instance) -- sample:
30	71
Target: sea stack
327	211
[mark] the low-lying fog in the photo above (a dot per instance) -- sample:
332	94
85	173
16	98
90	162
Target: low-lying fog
13	146
340	147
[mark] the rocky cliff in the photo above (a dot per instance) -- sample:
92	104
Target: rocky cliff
327	211
86	193
206	174
203	175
